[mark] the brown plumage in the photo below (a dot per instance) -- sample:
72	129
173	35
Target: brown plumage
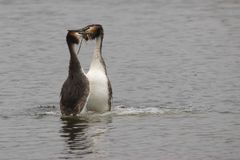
75	90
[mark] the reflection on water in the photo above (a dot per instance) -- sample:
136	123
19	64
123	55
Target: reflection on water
77	140
81	138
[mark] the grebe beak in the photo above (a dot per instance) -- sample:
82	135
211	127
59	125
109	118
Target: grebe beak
80	31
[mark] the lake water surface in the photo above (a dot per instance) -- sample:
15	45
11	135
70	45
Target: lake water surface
174	67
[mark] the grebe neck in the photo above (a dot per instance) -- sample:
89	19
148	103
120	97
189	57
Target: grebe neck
74	64
97	59
98	47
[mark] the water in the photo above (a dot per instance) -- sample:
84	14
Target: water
174	67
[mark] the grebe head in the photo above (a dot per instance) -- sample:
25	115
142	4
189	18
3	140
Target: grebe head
73	37
92	31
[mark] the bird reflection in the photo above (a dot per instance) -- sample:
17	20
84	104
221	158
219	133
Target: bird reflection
74	132
82	138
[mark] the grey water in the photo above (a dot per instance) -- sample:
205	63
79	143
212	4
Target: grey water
174	68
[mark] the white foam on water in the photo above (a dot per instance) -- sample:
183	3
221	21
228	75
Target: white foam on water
52	113
123	110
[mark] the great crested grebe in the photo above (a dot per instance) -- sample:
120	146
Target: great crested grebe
75	90
100	98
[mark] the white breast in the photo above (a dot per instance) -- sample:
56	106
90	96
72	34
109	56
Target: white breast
98	99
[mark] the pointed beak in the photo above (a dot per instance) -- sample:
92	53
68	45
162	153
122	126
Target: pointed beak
80	31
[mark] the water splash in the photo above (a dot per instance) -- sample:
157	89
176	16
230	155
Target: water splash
120	110
127	111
